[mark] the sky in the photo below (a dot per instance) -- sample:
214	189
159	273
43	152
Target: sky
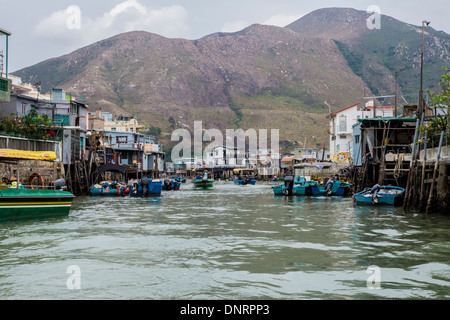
50	28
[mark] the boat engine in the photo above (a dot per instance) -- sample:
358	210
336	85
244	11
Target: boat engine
289	184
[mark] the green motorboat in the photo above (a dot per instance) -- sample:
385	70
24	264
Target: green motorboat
203	183
18	202
32	203
204	178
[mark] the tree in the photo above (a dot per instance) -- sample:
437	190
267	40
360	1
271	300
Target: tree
32	125
439	99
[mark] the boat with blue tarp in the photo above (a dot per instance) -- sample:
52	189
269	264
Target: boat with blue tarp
108	188
134	188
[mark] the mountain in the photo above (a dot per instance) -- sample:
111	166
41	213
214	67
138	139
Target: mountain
375	55
262	77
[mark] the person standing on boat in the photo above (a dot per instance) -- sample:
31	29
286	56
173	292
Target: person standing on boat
144	184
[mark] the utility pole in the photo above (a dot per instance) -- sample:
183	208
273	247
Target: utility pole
421	107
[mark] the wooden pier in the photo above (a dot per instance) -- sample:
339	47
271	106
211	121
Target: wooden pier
389	154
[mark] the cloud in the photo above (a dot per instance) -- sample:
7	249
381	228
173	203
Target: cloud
72	26
282	20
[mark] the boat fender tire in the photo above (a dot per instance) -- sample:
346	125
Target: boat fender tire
40	179
286	192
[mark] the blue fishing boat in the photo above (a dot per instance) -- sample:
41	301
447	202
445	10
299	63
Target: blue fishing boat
343	190
108	188
244	181
332	188
244	176
389	195
139	189
180	179
169	185
317	189
293	186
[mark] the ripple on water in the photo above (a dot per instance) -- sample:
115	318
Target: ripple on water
231	242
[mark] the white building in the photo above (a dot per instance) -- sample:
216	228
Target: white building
341	123
225	157
106	121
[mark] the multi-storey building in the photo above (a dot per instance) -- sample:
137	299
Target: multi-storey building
341	127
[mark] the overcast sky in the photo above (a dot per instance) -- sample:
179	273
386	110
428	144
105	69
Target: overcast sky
50	28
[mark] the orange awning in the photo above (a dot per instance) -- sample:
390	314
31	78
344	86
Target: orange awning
27	155
288	159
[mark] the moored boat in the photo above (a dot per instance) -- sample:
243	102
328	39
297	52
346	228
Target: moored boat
109	188
34	203
293	186
151	189
169	185
300	186
389	195
334	188
344	189
180	179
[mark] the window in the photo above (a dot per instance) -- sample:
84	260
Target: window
342	124
357	138
73	109
122	139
